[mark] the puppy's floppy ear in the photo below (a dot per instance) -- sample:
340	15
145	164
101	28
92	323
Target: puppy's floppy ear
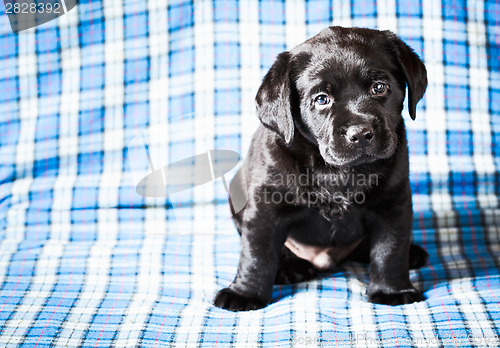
273	99
414	71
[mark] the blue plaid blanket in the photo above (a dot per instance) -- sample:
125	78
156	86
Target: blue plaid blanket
93	101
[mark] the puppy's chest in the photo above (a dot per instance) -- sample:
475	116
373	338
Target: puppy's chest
333	194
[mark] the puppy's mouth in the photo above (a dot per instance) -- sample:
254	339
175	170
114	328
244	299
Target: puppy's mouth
349	162
362	157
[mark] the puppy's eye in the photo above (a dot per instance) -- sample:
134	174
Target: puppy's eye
322	100
379	88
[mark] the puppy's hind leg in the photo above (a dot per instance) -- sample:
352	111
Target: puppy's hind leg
293	269
418	256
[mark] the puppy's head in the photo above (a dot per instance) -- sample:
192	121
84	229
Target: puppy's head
343	90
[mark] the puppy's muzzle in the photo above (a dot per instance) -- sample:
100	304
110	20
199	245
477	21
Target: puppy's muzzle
359	135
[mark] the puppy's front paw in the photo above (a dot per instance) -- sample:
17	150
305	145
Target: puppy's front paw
396	298
229	299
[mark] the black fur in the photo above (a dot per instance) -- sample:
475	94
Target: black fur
359	134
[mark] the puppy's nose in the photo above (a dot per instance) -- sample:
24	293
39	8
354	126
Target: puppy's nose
359	135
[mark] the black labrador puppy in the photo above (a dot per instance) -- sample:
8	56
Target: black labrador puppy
327	174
